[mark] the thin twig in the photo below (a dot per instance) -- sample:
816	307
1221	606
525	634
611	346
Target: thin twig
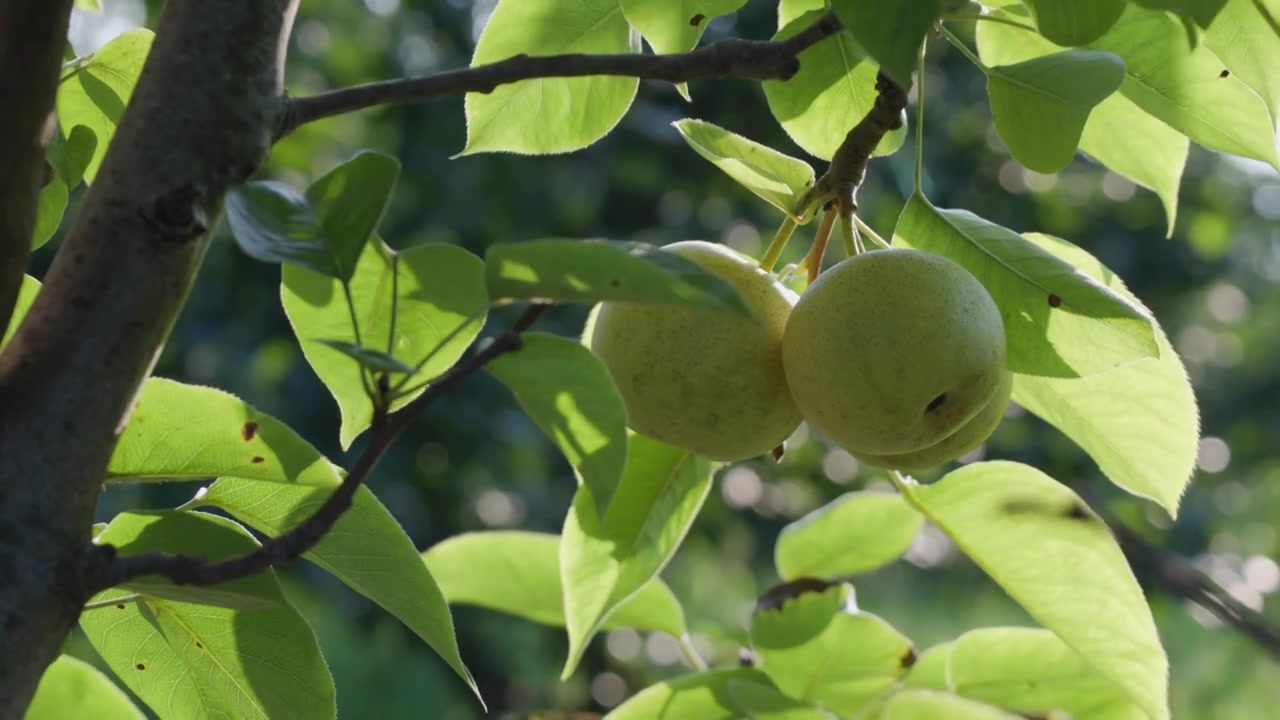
733	57
195	570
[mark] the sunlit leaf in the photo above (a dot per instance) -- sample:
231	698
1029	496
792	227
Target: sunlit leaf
72	688
518	573
675	27
930	670
190	432
549	115
1245	35
934	705
99	89
367	550
776	178
568	393
857	532
440	304
1075	22
349	202
1140	423
1059	321
50	206
26	295
375	360
605	560
1203	12
703	695
759	701
1037	539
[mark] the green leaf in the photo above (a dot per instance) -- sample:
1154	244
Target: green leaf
367	550
71	156
1118	134
1140	423
834	88
72	688
776	178
191	533
855	533
1075	22
1040	105
1032	671
568	393
26	295
930	670
199	661
890	32
594	271
703	695
96	95
1042	545
605	560
440	305
1059	321
1184	87
817	647
761	701
1246	37
51	205
518	573
375	360
675	27
89	5
1202	12
189	432
274	223
549	115
349	202
934	705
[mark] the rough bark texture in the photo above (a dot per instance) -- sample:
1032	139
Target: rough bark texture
200	121
32	35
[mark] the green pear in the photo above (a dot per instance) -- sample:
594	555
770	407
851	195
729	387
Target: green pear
705	379
891	351
962	441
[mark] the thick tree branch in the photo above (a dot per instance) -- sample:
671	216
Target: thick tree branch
195	570
748	59
32	35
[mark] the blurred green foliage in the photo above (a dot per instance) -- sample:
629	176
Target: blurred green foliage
477	462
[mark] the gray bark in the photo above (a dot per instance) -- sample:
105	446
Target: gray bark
200	121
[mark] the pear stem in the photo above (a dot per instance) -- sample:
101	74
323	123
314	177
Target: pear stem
779	243
866	230
813	262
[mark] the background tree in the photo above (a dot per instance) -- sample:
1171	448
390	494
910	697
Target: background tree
126	259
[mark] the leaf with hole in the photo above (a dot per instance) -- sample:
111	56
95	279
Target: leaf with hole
569	395
99	88
592	271
606	559
1245	35
675	27
855	533
1040	106
72	688
816	646
549	115
776	178
835	86
436	292
189	432
1140	423
518	573
366	549
1009	518
1059	321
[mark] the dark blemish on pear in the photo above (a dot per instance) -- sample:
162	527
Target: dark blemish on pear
696	20
1054	301
935	403
249	430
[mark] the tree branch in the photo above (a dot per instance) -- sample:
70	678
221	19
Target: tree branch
32	36
734	57
115	569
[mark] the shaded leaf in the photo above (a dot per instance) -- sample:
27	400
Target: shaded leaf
1009	518
71	156
1202	12
1140	423
349	202
594	271
1075	22
190	432
892	33
50	206
774	177
760	701
375	360
367	550
549	115
72	688
568	393
703	695
274	223
96	94
605	560
856	532
1059	321
1040	106
440	305
834	88
518	573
